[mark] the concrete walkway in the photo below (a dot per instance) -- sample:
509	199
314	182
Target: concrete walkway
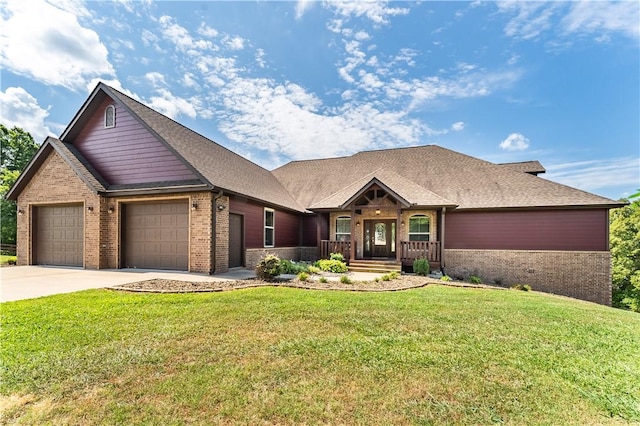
28	282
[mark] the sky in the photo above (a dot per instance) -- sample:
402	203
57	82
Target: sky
277	81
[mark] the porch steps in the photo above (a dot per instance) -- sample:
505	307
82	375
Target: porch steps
375	266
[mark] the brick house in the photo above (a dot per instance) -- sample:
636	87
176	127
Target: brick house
126	187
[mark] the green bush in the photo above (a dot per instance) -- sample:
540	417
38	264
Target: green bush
331	265
268	267
421	267
345	279
475	279
445	278
385	277
293	268
394	275
303	276
314	269
337	256
323	279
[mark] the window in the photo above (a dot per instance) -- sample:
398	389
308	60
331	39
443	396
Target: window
343	229
419	228
110	117
269	227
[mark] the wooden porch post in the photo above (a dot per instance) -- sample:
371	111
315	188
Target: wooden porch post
398	248
319	233
444	211
353	238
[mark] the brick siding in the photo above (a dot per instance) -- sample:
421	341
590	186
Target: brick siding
578	274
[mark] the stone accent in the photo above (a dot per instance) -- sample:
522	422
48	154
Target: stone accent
222	235
253	256
582	275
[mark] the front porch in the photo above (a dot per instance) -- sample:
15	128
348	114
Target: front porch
409	251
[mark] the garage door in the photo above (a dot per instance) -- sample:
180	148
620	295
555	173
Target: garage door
59	235
156	236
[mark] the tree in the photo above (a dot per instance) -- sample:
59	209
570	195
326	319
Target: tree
624	231
16	149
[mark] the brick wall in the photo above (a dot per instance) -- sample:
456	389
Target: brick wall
579	274
45	189
253	256
222	235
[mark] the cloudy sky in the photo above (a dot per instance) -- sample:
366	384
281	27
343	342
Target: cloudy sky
278	81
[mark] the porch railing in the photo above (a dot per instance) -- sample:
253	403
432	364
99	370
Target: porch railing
412	250
327	247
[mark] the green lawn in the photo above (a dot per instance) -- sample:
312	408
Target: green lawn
436	355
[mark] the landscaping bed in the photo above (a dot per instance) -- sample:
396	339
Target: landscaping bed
403	282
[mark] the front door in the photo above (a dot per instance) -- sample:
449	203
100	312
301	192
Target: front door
380	238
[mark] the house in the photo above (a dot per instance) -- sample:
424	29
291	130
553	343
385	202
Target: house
126	187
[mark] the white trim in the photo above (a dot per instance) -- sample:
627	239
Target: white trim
428	233
113	118
271	227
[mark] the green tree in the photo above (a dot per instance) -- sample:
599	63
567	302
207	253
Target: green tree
16	149
625	252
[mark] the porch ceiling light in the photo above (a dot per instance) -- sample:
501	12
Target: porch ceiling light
377	211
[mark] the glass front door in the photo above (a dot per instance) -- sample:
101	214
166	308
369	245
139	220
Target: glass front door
380	238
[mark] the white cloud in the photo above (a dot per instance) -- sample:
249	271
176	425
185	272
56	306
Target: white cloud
155	78
171	105
207	31
515	142
260	58
180	36
597	174
111	83
47	43
458	126
592	17
531	20
19	108
302	6
376	11
234	43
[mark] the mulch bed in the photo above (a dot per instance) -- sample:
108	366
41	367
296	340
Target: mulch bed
174	286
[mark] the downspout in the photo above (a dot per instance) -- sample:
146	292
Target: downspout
214	213
442	226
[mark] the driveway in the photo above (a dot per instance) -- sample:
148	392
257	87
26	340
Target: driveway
28	282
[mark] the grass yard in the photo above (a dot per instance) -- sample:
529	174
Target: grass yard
436	355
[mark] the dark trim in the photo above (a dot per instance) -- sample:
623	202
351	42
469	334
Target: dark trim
365	187
152	191
560	207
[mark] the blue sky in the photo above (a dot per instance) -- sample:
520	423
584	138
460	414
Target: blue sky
278	81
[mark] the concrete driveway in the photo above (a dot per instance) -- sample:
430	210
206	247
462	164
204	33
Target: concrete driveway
28	282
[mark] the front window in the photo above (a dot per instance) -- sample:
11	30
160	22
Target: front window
269	227
110	117
343	229
419	228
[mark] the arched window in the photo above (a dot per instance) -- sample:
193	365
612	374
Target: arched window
343	228
419	228
110	117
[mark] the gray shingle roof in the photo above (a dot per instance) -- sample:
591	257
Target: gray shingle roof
469	182
531	167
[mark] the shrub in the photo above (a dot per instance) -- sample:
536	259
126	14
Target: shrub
269	267
345	279
522	287
394	275
323	279
303	276
475	279
445	278
330	265
314	269
421	267
386	277
291	267
337	256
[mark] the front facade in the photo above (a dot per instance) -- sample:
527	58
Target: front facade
126	187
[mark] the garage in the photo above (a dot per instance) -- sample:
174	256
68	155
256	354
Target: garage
156	235
59	235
